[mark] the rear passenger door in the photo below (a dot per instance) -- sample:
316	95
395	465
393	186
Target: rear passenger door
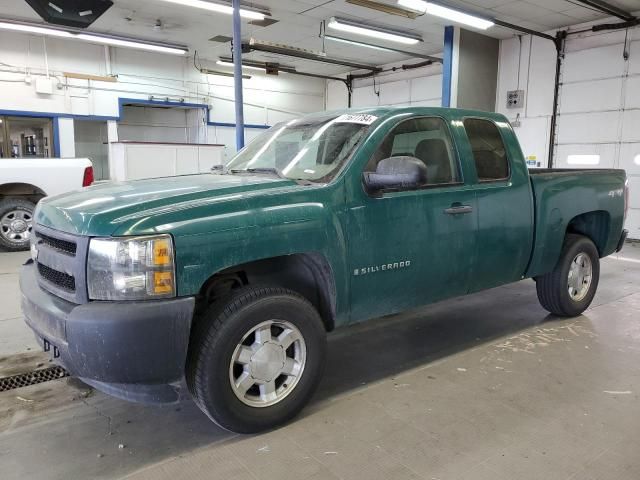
409	247
505	204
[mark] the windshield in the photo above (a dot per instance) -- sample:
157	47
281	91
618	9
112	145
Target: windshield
306	149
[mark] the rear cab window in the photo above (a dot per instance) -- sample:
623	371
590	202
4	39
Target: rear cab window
488	148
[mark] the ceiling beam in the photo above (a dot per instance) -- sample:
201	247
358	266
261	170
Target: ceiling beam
528	31
609	9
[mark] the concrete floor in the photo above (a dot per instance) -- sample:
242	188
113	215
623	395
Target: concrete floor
482	387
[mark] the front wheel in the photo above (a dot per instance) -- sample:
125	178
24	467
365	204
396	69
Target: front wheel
256	358
569	289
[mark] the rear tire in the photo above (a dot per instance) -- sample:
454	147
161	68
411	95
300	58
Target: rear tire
16	224
568	290
256	358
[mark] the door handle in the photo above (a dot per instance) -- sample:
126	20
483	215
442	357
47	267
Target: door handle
458	209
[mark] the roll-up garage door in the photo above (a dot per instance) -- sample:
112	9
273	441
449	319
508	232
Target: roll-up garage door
599	121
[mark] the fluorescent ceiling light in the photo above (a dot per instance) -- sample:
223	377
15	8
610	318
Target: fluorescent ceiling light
50	32
91	38
117	42
230	64
356	43
446	12
371	31
218	8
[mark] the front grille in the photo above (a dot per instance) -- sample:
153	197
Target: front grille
57	243
59	279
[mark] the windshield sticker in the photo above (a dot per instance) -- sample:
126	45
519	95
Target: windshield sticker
361	118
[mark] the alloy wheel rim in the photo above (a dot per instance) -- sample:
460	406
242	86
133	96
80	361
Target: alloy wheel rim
267	363
580	277
16	226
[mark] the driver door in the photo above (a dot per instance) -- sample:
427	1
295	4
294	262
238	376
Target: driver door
410	247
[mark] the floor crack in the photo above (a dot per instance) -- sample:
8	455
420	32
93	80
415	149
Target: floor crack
99	412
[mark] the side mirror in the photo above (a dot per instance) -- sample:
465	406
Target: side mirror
396	172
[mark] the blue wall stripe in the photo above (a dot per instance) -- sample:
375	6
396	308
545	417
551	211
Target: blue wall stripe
447	66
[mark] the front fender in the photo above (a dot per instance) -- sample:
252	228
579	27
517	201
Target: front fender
272	226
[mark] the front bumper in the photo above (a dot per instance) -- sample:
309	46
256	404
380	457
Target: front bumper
132	350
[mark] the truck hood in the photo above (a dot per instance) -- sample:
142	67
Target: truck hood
101	209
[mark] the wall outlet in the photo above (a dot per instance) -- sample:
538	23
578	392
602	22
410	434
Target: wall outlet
515	99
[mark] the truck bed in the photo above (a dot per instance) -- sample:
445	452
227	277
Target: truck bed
589	201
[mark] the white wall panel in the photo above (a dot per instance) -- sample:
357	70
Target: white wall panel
597	127
634	60
630	126
591	96
426	88
593	63
630	158
533	134
364	97
337	95
632	94
394	93
541	69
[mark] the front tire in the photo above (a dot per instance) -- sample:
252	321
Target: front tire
569	289
16	224
256	358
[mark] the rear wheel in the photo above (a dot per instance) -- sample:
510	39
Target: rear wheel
256	358
569	289
16	224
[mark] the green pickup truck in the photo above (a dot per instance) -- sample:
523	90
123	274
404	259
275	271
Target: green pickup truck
232	279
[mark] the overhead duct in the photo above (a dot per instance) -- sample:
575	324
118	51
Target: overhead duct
70	13
286	50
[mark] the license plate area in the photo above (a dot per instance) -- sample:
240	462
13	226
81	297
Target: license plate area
50	348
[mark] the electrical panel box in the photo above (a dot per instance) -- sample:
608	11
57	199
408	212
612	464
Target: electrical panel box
515	99
44	86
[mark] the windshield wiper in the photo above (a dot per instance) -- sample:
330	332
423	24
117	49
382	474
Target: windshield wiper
273	171
219	170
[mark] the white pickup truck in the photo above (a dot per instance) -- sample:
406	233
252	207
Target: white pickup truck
23	182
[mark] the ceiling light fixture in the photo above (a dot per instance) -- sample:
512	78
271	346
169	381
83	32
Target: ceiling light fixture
218	8
23	28
92	38
348	41
447	13
244	65
358	28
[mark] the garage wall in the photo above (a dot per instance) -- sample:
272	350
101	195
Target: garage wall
268	99
421	87
599	108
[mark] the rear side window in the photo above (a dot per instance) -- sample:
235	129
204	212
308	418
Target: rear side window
489	152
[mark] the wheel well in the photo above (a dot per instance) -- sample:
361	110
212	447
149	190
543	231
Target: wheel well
308	274
23	190
594	225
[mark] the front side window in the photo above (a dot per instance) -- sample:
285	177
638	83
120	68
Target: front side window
489	152
312	149
426	139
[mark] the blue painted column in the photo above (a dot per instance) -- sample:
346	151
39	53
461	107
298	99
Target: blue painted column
56	137
237	73
447	66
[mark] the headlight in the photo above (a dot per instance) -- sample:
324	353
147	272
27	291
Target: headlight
133	268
